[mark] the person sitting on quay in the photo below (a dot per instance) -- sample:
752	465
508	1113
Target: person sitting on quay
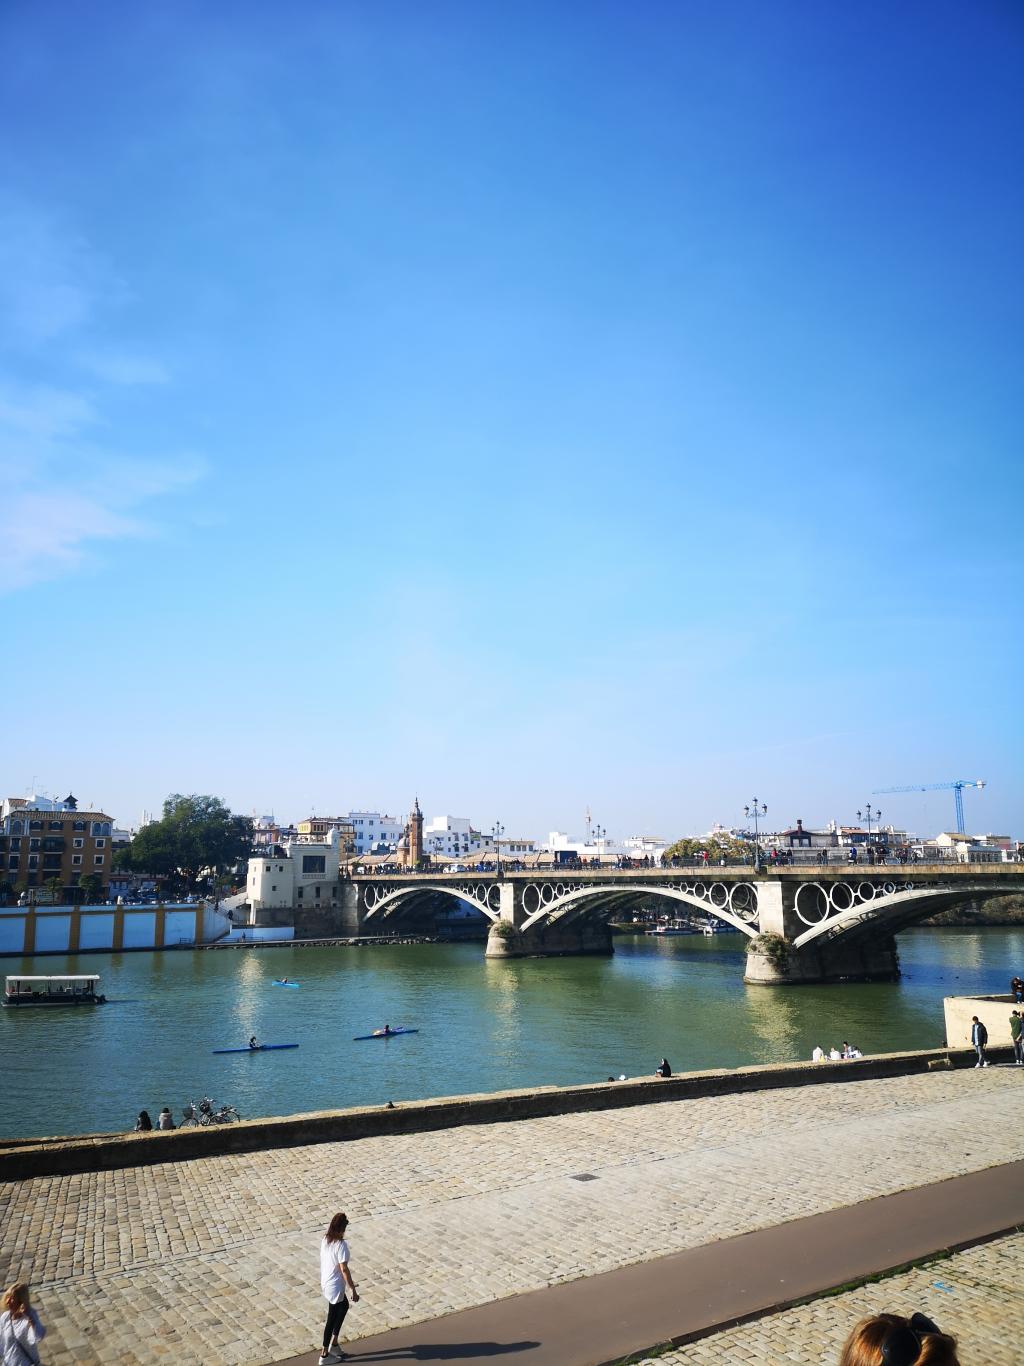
663	1069
1017	989
143	1124
817	1053
165	1120
892	1340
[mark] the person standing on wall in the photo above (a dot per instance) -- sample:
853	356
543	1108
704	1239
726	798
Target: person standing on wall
979	1038
335	1276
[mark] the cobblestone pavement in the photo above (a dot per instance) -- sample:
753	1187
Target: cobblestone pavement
215	1260
978	1296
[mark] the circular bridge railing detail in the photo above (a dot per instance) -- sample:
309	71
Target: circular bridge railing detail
816	902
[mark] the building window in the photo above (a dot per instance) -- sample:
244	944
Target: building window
97	859
35	825
14	863
301	890
314	863
55	825
76	859
78	825
33	860
100	844
77	844
16	843
17	827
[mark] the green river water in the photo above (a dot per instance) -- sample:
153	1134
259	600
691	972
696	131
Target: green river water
484	1025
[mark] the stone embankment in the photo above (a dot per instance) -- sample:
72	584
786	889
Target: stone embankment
20	1159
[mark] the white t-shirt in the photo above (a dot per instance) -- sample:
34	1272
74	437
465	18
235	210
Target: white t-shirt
332	1283
18	1338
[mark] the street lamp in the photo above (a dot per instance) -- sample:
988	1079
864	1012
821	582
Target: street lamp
757	810
599	833
438	841
497	830
870	816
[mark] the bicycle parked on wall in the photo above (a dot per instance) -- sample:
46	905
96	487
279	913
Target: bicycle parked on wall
207	1112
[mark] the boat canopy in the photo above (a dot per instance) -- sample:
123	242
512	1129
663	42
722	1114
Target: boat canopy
57	977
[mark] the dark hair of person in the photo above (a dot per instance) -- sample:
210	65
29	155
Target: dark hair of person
336	1228
865	1345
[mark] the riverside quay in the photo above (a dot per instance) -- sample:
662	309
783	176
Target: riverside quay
803	924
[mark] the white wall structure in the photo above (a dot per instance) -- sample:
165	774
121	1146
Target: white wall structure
305	874
103	929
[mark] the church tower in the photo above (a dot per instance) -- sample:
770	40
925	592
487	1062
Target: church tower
415	835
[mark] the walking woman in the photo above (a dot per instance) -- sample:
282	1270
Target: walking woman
335	1276
20	1329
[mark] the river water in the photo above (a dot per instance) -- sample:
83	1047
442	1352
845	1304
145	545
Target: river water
484	1025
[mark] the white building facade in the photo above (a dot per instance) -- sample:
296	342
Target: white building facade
375	832
304	875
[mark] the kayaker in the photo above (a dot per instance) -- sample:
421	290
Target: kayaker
252	1041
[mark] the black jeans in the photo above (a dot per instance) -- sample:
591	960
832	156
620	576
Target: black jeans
335	1318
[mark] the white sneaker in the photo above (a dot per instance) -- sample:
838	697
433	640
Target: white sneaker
984	1064
328	1359
976	1066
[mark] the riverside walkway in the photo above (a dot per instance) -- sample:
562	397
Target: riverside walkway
215	1260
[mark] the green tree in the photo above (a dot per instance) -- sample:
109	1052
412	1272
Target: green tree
719	846
55	886
195	835
90	889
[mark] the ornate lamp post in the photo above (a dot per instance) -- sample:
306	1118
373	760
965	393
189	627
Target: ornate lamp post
497	830
870	816
757	810
599	833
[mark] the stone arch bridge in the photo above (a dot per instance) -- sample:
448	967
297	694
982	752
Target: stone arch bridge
809	924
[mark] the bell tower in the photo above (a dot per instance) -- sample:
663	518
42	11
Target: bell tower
415	835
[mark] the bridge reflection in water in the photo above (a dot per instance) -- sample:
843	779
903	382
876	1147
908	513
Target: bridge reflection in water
809	924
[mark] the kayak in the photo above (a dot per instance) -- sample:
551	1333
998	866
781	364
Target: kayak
284	984
260	1048
358	1038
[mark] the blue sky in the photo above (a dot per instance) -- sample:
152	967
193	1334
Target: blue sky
529	407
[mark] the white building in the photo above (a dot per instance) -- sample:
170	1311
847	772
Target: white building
305	874
375	832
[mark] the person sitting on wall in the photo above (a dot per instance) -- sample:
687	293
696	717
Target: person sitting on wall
663	1069
143	1124
165	1120
817	1053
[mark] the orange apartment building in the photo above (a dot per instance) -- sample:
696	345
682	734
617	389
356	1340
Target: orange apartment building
42	839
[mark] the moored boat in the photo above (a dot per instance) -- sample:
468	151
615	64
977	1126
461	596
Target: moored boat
53	990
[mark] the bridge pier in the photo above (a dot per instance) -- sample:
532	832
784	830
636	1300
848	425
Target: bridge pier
841	960
545	939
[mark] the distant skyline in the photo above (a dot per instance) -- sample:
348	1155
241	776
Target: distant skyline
526	407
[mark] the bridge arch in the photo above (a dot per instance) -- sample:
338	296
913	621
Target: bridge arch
734	903
851	910
380	902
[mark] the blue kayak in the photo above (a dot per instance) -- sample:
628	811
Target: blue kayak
285	984
358	1038
260	1048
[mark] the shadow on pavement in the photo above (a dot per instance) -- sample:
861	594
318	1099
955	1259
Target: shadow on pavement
444	1351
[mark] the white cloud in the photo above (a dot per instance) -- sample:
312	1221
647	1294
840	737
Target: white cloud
49	278
124	368
62	492
52	515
